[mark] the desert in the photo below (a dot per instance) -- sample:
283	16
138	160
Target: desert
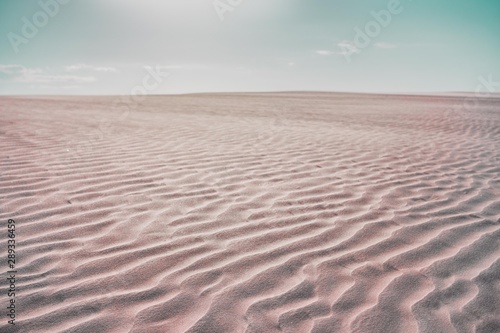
253	212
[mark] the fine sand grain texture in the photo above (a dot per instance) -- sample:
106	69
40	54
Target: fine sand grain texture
257	213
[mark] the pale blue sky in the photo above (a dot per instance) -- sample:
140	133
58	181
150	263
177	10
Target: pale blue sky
103	46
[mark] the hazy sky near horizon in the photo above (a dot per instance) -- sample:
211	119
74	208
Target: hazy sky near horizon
103	46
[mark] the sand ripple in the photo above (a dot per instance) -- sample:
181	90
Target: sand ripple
293	212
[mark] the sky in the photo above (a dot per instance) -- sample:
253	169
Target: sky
109	47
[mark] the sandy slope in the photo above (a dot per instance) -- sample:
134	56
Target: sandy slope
291	212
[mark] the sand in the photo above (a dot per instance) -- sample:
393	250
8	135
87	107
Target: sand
278	212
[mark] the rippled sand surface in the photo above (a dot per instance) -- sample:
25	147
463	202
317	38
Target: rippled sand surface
289	212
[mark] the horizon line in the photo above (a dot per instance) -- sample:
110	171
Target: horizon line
394	93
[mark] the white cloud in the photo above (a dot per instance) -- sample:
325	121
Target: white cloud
49	87
44	78
6	68
324	52
171	67
19	73
347	48
79	67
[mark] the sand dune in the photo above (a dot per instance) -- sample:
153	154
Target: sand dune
279	212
